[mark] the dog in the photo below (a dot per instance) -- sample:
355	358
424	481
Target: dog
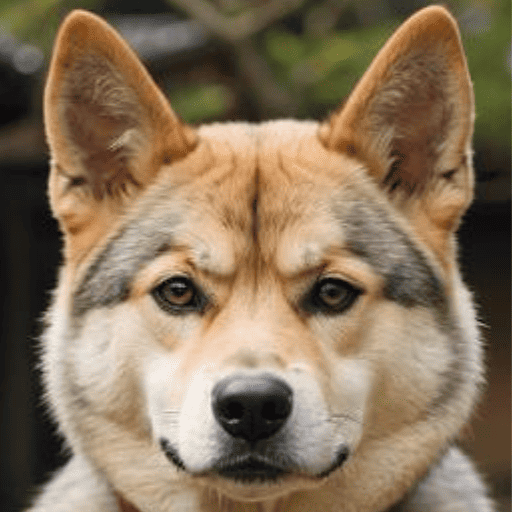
262	317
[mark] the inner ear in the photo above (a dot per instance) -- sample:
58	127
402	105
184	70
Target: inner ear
419	116
104	124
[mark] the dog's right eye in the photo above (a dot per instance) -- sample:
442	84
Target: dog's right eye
331	296
179	295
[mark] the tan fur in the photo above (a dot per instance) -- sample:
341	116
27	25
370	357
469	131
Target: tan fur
256	215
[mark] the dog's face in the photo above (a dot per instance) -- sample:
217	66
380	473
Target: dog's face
254	306
259	309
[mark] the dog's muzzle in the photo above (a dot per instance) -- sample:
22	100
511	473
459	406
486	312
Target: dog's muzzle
253	413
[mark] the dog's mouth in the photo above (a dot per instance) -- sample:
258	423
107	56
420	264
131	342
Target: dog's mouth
252	467
247	468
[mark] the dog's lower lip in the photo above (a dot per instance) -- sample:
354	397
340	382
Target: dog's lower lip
250	469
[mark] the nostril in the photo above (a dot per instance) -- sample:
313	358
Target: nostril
252	408
275	409
232	411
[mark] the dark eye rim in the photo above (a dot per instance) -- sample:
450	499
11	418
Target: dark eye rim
314	304
196	304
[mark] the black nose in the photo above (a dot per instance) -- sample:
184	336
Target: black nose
252	408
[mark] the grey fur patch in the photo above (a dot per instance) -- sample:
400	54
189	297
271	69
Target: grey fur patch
107	281
409	278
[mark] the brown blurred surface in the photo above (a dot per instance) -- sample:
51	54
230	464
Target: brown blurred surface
485	248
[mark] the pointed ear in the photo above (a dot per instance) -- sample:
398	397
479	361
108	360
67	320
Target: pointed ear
109	127
410	118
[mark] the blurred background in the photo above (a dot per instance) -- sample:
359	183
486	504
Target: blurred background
228	60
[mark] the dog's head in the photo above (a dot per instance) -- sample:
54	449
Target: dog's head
261	309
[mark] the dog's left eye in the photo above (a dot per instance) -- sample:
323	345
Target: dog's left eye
330	296
178	295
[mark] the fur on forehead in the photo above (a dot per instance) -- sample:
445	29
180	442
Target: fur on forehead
239	170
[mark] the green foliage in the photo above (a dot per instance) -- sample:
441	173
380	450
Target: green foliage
285	48
36	21
488	53
323	69
17	15
200	102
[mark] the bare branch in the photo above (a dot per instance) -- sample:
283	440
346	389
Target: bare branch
273	99
240	26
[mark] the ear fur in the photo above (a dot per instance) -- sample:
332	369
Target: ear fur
410	118
108	125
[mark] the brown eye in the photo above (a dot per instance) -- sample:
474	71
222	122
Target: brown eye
330	296
178	295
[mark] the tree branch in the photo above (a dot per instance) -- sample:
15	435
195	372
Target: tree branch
240	26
